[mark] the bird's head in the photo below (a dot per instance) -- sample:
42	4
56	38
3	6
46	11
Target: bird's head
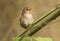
26	9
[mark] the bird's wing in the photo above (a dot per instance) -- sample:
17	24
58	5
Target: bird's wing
24	23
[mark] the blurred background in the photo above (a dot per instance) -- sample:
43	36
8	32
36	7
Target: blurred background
10	12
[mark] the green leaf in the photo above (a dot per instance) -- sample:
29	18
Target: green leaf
32	39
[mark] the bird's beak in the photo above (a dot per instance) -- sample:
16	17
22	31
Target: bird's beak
30	9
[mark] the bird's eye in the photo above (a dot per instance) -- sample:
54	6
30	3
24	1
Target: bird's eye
26	9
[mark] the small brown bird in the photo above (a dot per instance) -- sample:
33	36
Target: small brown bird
26	17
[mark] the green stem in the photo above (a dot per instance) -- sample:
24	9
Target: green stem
44	23
38	20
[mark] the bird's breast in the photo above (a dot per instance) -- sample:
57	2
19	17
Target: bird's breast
29	18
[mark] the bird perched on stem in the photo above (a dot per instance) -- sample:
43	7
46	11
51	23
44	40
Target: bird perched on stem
26	17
